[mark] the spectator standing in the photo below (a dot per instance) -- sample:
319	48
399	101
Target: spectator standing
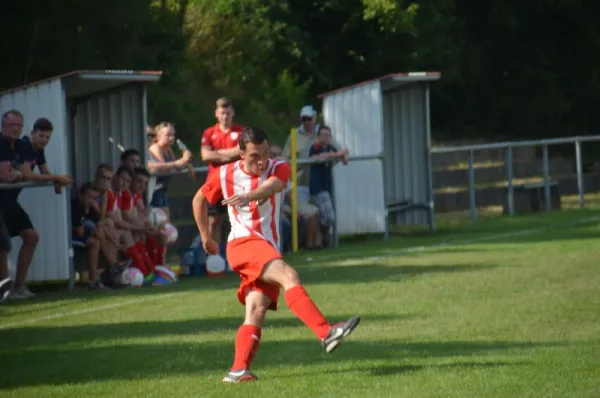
321	179
220	145
16	159
162	159
36	143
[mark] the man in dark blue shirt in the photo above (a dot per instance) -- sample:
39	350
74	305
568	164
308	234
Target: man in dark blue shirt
321	178
15	165
36	144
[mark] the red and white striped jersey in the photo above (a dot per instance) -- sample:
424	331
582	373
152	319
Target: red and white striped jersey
258	219
129	200
114	202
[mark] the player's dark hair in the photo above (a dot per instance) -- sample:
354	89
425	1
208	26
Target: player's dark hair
129	152
86	187
252	135
142	171
224	102
42	124
104	166
323	127
122	170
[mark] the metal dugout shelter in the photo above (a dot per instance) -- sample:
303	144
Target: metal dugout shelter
86	107
386	118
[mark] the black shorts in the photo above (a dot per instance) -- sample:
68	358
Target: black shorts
4	237
17	220
217	208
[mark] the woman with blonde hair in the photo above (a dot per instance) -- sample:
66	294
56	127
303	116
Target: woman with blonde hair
162	159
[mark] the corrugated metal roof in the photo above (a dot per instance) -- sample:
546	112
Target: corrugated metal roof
121	74
398	78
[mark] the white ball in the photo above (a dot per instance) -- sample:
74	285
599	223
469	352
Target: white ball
215	264
170	232
157	217
132	276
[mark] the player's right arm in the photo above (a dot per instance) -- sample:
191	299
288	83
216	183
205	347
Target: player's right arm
210	192
218	156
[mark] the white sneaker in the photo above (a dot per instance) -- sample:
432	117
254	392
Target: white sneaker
5	288
21	292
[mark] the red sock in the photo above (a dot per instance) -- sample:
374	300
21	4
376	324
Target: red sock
304	308
144	256
247	341
132	253
160	254
152	248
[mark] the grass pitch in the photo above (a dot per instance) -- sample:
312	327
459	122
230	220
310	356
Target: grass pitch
509	308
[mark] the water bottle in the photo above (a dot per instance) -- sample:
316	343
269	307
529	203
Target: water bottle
181	145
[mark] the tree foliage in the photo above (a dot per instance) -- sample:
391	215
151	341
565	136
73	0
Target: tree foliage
510	68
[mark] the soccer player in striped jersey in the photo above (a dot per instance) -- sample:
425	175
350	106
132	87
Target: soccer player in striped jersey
252	189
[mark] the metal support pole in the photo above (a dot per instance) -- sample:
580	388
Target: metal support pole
580	182
472	188
546	170
67	193
509	175
428	156
334	229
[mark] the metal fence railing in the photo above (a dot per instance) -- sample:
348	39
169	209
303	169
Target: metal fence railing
577	141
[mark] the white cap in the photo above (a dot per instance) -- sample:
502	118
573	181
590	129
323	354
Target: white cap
307	110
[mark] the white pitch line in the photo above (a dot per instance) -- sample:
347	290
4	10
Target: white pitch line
417	249
90	309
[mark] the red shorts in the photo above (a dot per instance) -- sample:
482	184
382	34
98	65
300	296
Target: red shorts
248	257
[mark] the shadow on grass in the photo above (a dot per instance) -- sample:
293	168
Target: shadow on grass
66	365
310	273
30	337
365	273
58	293
391	370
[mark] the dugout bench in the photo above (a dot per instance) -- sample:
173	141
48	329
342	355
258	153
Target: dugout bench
407	205
531	198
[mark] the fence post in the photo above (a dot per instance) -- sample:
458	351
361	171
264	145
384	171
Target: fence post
472	188
334	230
546	170
509	174
580	182
72	271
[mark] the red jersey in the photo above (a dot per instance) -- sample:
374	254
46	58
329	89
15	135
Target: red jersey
137	198
260	219
215	138
129	200
114	201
